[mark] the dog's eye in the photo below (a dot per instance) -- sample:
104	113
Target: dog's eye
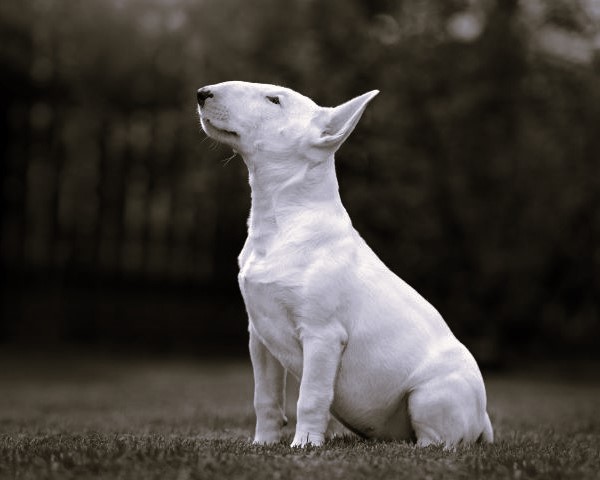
274	100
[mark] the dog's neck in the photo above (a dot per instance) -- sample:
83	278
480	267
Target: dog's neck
287	189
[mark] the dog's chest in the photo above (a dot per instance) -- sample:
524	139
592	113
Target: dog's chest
271	286
271	281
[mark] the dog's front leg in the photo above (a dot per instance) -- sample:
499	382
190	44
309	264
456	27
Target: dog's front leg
321	360
269	392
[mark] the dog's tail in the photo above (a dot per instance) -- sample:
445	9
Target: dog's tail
487	436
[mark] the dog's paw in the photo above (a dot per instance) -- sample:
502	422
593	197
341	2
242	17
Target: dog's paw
266	438
336	429
304	439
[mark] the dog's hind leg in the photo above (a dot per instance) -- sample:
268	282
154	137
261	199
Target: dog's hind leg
445	411
269	392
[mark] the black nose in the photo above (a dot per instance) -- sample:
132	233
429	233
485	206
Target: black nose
203	94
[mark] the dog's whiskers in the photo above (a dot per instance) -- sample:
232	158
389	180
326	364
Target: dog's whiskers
213	144
229	159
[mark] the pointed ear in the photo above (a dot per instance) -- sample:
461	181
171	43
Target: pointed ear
341	120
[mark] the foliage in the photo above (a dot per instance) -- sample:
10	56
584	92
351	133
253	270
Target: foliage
473	175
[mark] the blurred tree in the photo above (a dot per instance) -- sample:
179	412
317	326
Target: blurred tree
473	175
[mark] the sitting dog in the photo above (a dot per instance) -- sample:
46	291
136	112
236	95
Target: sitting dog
366	347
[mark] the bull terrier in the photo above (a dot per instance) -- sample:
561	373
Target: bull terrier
366	347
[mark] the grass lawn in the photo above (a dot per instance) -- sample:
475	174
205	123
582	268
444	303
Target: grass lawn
111	417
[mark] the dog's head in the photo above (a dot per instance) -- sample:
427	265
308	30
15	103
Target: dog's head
260	118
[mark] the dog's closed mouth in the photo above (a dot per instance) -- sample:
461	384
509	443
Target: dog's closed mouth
221	130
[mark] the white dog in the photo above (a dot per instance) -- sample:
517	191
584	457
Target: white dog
365	345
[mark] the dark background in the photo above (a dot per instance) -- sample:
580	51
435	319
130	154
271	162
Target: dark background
474	174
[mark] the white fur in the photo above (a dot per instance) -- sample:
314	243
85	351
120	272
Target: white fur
321	305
